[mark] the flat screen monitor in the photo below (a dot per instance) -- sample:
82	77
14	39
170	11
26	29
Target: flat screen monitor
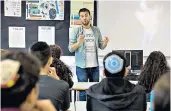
134	58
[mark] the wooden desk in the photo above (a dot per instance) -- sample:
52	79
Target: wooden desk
83	86
134	82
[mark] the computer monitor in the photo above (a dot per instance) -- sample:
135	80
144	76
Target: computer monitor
134	58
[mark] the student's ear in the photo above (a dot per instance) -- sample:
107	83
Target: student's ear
104	76
126	71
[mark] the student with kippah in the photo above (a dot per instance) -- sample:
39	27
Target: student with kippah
114	93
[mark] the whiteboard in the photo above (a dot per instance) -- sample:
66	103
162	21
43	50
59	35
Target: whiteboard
135	25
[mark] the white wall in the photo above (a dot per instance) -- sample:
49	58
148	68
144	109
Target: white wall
119	21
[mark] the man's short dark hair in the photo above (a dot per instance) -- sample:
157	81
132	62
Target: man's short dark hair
42	51
28	72
161	90
84	10
119	74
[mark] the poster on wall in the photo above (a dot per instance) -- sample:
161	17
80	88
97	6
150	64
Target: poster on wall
46	34
12	8
76	5
45	9
16	37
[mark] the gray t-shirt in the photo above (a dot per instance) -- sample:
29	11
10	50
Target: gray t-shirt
55	90
90	48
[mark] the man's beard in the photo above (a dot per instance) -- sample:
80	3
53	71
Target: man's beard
86	23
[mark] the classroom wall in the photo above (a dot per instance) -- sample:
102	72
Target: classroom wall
31	28
135	25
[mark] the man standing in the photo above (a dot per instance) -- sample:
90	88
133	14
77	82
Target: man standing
85	41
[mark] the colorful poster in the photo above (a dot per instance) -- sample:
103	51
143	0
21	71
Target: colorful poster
45	9
76	5
12	8
16	37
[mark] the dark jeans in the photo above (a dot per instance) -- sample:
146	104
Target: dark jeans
83	74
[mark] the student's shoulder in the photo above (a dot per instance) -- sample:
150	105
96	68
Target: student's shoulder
63	83
96	86
140	89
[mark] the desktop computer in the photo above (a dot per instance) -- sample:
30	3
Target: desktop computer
134	60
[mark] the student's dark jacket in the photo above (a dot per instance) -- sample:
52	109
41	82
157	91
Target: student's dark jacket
116	94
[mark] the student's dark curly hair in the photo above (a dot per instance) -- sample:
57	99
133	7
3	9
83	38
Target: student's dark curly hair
155	66
56	51
63	71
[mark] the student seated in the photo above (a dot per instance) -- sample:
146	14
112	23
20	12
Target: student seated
155	66
62	70
49	85
19	88
114	93
161	94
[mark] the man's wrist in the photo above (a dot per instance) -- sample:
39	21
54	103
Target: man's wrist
79	43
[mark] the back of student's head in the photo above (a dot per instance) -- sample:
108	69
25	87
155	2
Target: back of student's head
19	75
56	51
162	93
63	71
114	65
155	66
42	51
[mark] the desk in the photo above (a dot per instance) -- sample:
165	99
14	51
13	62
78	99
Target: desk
82	86
134	82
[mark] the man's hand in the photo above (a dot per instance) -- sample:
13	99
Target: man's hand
44	105
52	73
79	42
81	39
106	40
